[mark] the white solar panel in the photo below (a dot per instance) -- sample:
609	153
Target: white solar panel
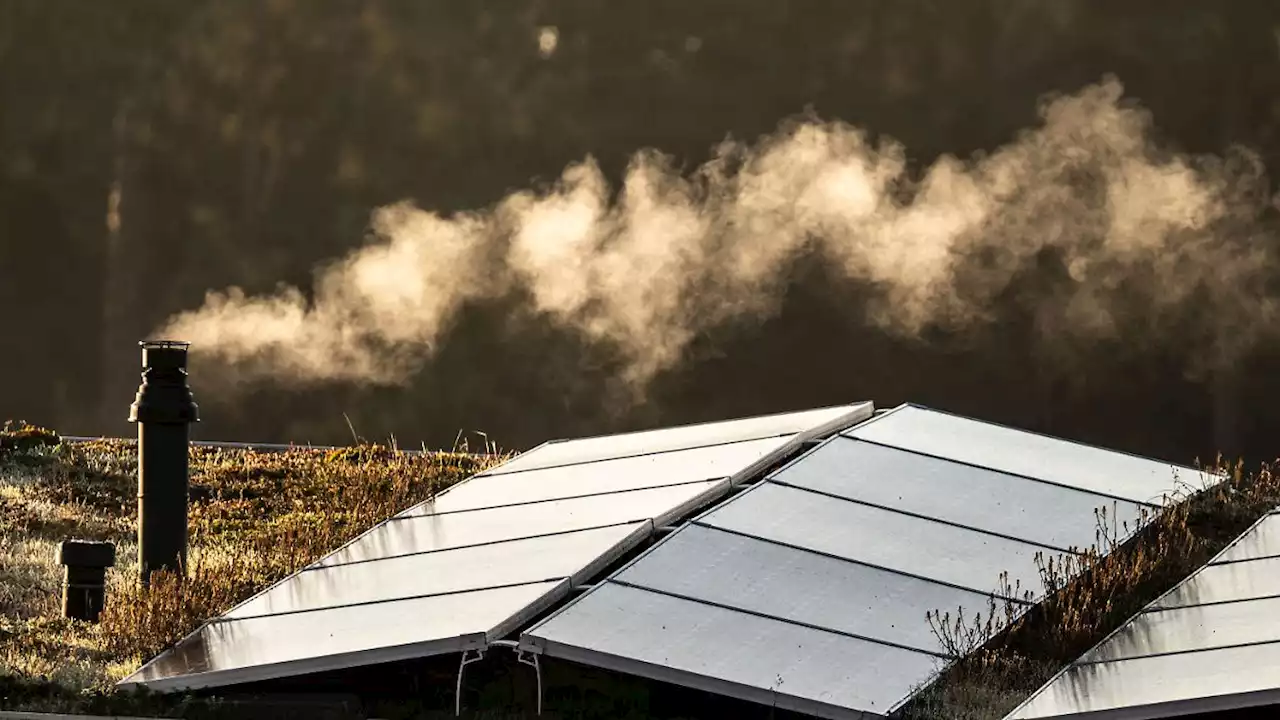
584	450
603	476
1161	686
550	557
859	539
1211	643
1186	629
226	652
723	568
768	661
961	494
1227	583
484	556
912	545
422	533
1029	454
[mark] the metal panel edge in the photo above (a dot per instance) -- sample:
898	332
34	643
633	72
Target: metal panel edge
1176	708
817	446
716	491
1129	621
339	661
528	635
685	426
707	497
200	628
510	460
704	498
861	411
987	468
823	433
876	416
564	587
604	560
1059	438
683	678
557	592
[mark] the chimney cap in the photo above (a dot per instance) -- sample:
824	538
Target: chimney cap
86	553
164	344
163	397
164	354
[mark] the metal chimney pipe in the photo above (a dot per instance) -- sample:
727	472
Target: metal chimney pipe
163	410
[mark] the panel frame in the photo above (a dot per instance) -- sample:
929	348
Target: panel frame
706	683
916	406
857	412
337	661
919	406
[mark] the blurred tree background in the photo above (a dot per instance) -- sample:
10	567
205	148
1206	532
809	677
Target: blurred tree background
151	150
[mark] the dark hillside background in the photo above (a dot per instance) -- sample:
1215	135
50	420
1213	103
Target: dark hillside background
153	150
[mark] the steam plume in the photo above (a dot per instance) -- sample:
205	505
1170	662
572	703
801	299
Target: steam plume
1137	229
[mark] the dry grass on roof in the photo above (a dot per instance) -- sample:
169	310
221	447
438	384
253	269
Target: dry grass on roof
255	517
1007	657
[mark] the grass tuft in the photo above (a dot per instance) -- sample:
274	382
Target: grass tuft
254	518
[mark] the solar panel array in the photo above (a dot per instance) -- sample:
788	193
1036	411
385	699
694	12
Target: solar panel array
810	590
1211	643
485	556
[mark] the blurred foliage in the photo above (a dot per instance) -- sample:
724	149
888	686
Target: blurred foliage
21	436
152	150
